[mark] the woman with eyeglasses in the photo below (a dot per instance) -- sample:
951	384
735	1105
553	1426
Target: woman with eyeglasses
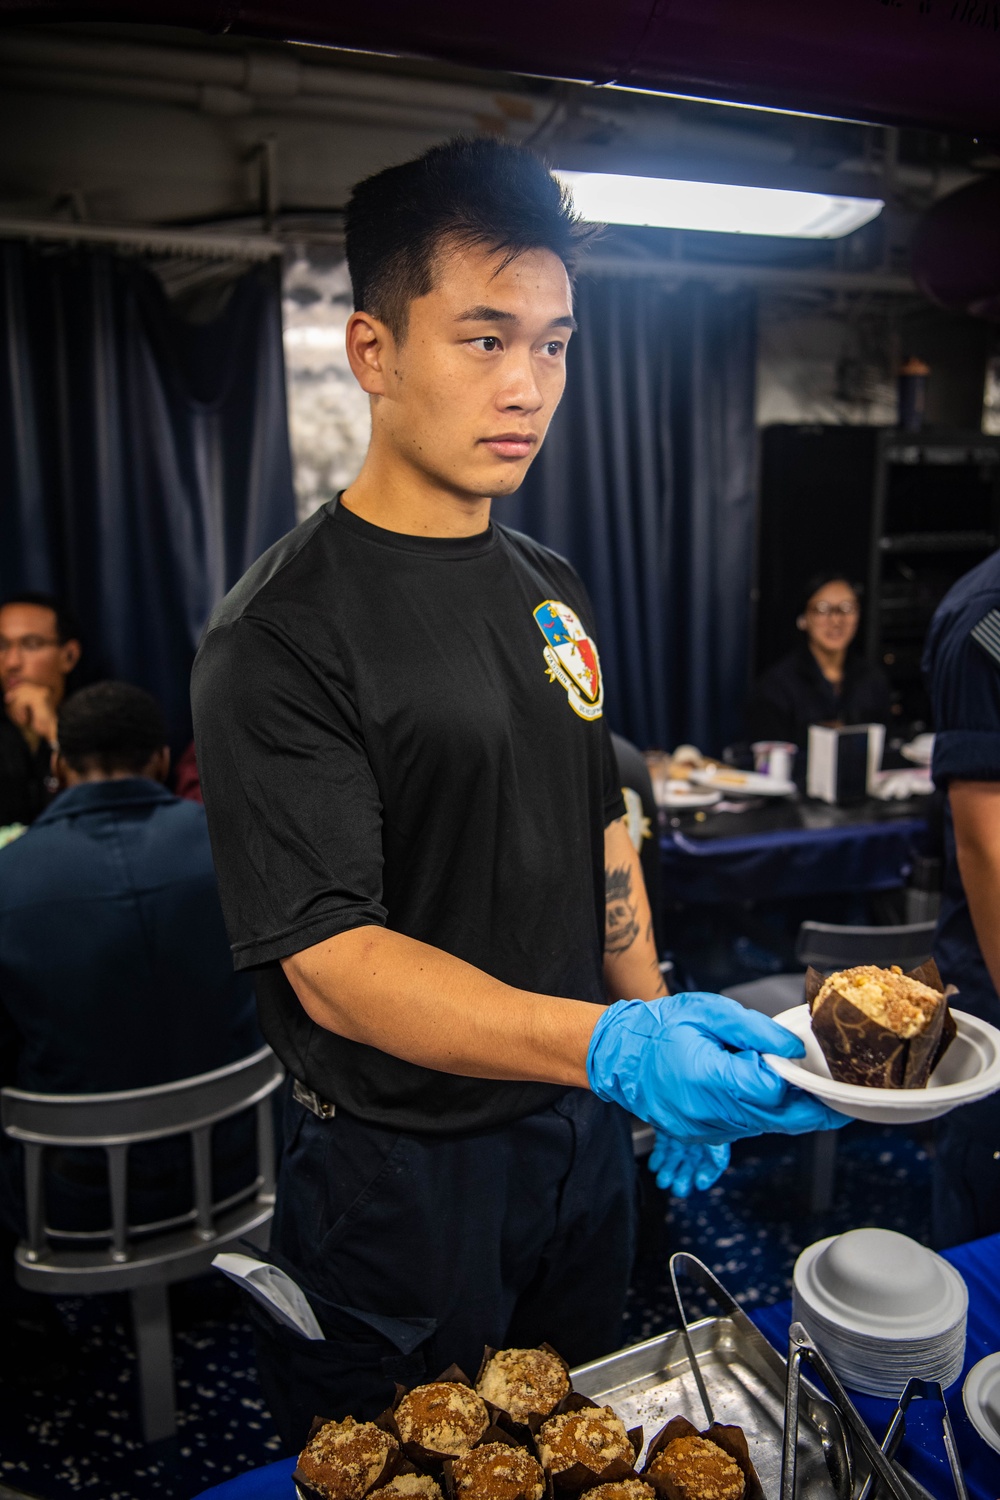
824	680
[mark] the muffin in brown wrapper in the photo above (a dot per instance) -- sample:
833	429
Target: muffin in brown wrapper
346	1460
583	1445
499	1469
409	1482
710	1465
438	1419
623	1489
522	1383
881	1028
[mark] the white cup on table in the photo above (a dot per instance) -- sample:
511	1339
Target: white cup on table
774	758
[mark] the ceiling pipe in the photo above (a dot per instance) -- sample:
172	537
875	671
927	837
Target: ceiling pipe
911	62
233	83
207	246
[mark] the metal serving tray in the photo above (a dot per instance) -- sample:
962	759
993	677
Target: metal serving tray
744	1381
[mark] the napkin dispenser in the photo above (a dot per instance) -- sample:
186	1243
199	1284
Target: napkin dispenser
843	761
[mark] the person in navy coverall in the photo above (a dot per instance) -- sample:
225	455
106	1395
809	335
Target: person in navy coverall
115	970
962	668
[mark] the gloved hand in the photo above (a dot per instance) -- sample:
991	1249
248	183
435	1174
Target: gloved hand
669	1062
678	1168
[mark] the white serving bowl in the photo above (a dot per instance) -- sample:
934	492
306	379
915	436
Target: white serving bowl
969	1070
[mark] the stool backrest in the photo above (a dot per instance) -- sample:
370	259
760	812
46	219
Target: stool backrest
115	1122
828	947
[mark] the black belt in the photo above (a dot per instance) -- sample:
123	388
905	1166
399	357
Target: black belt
321	1108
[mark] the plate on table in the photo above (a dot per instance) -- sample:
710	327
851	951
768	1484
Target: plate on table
919	751
981	1395
969	1070
680	794
734	783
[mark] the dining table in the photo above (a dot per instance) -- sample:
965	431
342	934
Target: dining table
785	848
922	1451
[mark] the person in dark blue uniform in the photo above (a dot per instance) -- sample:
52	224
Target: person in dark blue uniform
114	966
962	668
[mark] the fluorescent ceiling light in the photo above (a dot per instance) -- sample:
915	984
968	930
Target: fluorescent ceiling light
721	207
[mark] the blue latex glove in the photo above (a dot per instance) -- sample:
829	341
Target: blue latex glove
678	1168
669	1062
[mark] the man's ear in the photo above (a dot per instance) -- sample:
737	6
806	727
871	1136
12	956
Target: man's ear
370	347
801	622
158	768
59	769
70	655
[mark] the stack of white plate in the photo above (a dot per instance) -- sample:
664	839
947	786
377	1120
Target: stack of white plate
882	1308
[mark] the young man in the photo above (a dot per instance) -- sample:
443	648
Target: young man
39	647
413	807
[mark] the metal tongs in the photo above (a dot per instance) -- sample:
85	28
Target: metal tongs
823	1414
927	1390
800	1347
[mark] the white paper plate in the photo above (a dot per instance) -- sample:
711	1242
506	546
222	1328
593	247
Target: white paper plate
678	794
981	1394
969	1070
742	783
902	1295
919	751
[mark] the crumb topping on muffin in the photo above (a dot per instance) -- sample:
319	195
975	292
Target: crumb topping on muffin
445	1416
594	1437
344	1459
903	1006
623	1489
700	1470
523	1381
411	1484
498	1472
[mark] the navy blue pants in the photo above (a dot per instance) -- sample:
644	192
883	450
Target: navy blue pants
967	1174
417	1250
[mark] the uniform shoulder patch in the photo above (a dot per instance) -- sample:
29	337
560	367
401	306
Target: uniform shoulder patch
987	635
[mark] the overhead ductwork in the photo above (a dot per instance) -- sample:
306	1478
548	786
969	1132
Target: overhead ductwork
934	63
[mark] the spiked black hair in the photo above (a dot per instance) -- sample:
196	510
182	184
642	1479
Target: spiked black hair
467	192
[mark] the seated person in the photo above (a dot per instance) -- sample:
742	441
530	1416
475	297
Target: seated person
823	681
115	970
39	647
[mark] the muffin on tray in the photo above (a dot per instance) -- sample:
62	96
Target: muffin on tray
623	1489
697	1469
497	1471
443	1417
420	1485
523	1382
881	1028
344	1460
594	1437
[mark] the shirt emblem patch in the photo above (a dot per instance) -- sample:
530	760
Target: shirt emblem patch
571	658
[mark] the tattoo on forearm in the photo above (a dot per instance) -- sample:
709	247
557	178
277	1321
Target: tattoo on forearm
621	926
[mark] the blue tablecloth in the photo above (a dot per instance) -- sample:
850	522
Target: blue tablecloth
778	864
922	1452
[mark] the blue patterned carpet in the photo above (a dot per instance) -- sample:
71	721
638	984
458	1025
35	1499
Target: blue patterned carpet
68	1423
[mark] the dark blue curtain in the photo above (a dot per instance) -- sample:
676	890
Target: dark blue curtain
144	446
646	483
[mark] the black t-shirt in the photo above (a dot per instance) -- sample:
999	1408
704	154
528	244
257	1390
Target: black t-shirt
793	694
407	731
